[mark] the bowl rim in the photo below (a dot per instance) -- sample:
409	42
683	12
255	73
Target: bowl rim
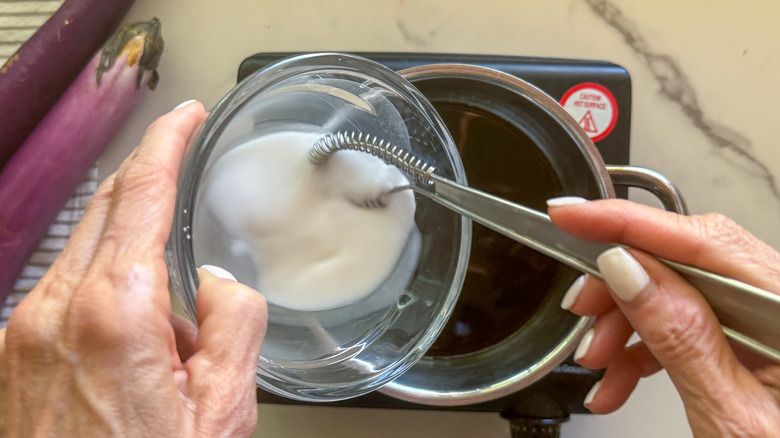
179	251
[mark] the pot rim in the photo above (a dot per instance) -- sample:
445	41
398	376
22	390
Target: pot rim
567	345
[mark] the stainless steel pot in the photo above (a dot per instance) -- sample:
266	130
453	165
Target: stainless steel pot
549	334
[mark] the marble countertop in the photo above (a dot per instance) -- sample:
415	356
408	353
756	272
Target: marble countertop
705	98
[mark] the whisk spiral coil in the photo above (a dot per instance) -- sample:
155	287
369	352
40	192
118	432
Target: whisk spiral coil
373	145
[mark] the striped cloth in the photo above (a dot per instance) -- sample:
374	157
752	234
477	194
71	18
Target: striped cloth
52	244
18	21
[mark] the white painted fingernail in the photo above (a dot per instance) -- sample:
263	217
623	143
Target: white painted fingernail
584	346
623	274
565	200
592	393
219	272
574	291
183	104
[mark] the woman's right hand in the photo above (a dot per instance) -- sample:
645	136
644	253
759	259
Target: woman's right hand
726	391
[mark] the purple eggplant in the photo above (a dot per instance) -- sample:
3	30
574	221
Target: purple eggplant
52	161
34	78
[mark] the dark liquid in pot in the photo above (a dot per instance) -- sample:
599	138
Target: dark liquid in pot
506	282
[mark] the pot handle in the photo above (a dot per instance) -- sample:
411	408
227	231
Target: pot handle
651	181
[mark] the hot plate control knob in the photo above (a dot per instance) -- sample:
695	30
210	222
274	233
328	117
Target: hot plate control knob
536	427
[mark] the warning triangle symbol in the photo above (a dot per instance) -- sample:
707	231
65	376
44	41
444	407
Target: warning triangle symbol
587	123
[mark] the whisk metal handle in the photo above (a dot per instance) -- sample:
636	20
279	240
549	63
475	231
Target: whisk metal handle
749	315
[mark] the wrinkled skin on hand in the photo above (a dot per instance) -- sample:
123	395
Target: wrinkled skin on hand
726	391
94	350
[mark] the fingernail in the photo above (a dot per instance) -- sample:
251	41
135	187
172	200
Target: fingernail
565	200
574	291
584	346
623	274
592	393
219	272
183	104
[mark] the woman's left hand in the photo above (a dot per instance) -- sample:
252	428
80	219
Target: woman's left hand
92	350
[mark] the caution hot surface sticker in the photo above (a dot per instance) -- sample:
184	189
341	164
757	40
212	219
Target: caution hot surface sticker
593	107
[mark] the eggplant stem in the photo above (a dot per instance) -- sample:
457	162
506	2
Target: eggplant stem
150	58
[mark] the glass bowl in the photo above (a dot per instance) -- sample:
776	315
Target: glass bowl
328	352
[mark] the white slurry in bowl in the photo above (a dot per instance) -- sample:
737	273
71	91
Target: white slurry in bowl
313	245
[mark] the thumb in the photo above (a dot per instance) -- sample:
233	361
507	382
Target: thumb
682	332
221	372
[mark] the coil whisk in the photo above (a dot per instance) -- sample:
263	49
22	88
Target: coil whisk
373	145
